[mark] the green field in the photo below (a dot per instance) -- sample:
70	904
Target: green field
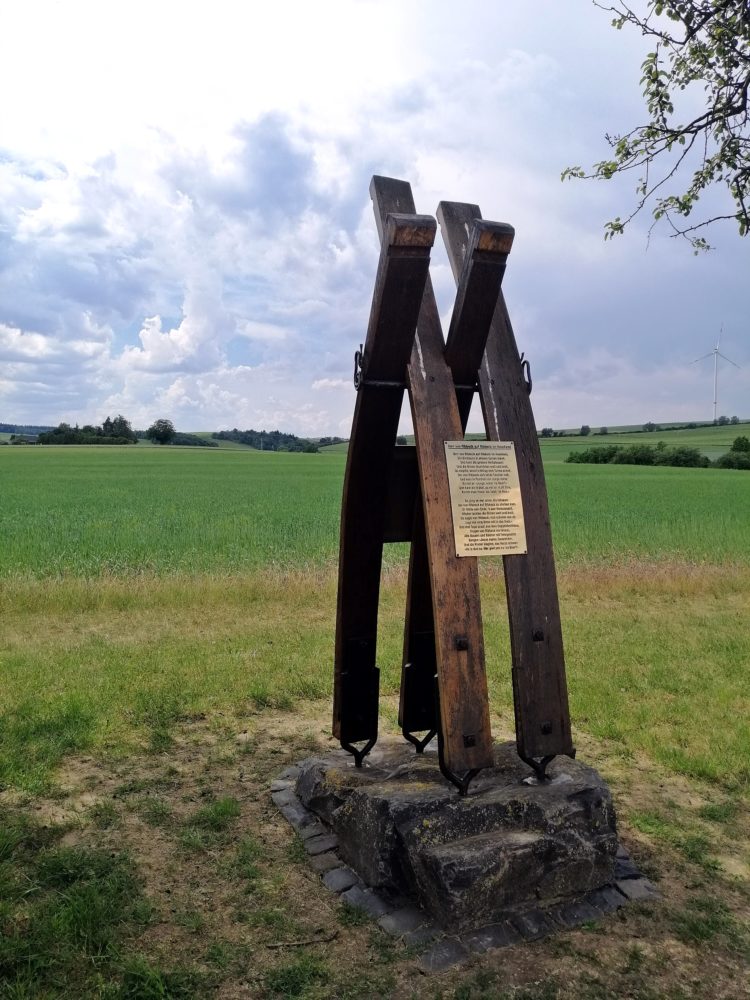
712	441
154	602
86	511
81	511
90	534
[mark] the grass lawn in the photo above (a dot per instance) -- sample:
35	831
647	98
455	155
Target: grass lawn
166	648
88	511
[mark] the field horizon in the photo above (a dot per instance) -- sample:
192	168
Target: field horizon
668	427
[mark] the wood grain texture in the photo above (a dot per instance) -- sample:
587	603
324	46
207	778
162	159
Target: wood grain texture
454	582
539	684
399	286
485	255
488	247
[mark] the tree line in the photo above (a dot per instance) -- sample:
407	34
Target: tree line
271	440
118	430
112	431
738	457
23	428
648	427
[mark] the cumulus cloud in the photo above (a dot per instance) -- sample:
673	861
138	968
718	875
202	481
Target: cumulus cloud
193	345
331	383
211	259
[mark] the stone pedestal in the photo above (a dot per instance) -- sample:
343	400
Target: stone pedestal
512	844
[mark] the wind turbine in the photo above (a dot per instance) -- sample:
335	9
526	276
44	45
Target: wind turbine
716	353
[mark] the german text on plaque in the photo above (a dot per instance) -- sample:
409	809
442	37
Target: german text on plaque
485	498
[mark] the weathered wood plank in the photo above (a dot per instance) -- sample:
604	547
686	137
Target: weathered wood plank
402	271
539	685
459	642
399	287
489	245
485	257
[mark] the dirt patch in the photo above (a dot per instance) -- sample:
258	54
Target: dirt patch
233	896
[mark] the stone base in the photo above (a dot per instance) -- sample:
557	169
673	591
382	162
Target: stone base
507	847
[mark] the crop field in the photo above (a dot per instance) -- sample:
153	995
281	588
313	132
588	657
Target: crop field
712	441
166	643
86	511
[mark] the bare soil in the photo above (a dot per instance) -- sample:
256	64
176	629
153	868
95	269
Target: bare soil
257	921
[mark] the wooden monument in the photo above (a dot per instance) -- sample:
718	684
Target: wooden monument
395	493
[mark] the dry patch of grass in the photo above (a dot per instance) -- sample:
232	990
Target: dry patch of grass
656	652
220	893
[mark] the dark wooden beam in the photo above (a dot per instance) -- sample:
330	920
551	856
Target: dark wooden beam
539	685
466	738
486	253
399	287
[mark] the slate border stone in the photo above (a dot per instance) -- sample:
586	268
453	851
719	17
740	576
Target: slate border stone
407	921
340	879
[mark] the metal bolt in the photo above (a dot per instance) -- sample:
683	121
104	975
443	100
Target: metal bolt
537	635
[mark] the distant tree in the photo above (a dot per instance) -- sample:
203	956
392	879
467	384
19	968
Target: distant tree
635	454
734	460
400	439
119	427
585	430
734	420
547	432
595	456
723	421
643	454
268	440
162	431
192	441
741	444
325	441
604	430
682	456
650	426
112	433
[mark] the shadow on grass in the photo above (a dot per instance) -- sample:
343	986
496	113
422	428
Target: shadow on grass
34	739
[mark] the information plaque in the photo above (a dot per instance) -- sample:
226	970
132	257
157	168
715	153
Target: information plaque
485	498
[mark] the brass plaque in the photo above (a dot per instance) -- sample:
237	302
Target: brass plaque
485	498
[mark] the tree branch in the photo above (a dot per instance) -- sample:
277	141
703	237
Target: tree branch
712	48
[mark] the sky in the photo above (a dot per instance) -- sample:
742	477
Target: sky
186	230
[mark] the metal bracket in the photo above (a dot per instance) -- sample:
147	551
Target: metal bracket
358	359
381	383
461	782
526	374
539	765
359	755
419	744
